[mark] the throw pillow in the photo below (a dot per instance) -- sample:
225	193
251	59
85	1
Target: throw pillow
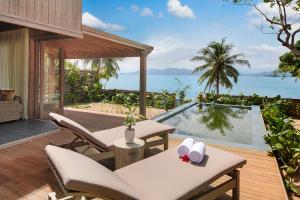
7	95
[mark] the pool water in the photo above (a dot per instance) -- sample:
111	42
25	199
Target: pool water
220	123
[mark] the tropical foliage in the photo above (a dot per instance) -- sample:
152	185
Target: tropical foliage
236	100
284	140
83	89
290	63
219	65
181	92
106	68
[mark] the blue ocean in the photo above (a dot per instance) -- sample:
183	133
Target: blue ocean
248	85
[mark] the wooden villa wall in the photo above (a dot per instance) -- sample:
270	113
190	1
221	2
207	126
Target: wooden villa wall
58	16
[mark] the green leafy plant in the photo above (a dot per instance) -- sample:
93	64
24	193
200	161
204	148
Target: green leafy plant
164	100
284	141
73	79
289	64
130	119
298	109
181	92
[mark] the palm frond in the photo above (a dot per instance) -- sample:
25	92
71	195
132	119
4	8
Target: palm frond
200	68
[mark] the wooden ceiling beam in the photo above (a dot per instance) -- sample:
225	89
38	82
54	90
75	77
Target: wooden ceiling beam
72	55
91	46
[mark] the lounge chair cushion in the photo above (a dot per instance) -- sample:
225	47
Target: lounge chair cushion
165	177
80	173
77	128
105	138
143	130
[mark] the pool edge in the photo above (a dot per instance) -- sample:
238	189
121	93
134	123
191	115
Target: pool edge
257	126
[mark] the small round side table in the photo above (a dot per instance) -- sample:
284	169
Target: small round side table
126	154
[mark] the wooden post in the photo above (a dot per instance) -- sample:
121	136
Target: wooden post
236	189
143	83
62	80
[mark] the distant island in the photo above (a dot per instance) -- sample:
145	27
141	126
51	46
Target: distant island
267	74
188	72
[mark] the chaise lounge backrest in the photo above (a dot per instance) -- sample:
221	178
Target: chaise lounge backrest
88	176
76	128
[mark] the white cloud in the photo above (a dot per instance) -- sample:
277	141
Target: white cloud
256	19
176	8
266	48
262	57
129	65
134	8
172	51
169	51
92	21
147	12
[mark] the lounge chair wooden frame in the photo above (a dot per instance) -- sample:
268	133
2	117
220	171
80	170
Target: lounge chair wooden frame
212	193
102	154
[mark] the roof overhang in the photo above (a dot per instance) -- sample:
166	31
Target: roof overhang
99	44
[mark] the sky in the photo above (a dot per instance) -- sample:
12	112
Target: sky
177	29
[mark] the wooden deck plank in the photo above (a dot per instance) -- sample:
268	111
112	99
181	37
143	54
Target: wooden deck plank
25	174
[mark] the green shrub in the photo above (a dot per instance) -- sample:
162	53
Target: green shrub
284	141
164	100
181	92
73	79
236	100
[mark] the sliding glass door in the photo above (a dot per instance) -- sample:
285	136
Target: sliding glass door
51	80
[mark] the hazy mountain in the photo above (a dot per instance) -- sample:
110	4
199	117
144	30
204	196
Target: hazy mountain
267	74
167	71
187	72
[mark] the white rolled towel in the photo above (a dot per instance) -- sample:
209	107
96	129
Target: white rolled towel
185	146
197	152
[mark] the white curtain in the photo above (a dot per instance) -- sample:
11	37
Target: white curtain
14	64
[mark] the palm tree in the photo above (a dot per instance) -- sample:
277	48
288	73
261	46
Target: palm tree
219	65
106	67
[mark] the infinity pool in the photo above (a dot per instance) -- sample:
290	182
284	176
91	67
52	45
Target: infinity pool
217	123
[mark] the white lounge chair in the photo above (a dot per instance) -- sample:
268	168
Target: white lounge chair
160	177
103	140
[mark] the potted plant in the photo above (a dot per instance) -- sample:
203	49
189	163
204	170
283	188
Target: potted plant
130	122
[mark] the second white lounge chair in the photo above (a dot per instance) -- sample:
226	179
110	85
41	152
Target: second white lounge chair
103	140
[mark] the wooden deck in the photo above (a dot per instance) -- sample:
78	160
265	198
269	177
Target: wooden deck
24	171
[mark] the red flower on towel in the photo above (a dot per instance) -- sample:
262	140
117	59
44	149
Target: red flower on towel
185	158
